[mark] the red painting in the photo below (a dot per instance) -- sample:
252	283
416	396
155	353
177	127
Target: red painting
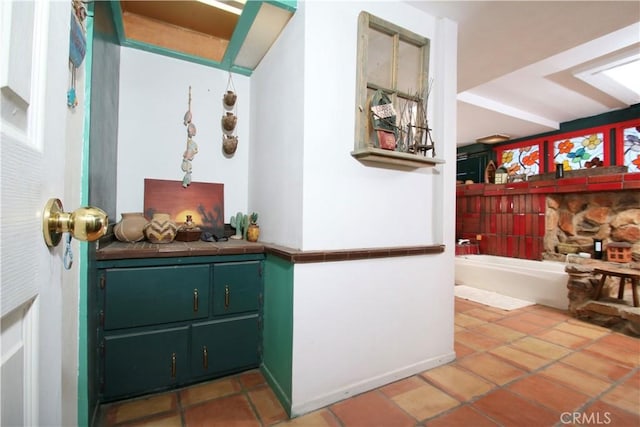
204	201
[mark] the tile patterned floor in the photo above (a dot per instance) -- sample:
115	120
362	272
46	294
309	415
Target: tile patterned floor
534	366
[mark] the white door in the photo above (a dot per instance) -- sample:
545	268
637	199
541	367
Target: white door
34	52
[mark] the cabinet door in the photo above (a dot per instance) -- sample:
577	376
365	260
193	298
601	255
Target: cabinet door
155	295
236	287
143	362
224	346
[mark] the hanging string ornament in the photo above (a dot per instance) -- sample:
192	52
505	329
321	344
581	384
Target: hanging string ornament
77	48
192	147
229	120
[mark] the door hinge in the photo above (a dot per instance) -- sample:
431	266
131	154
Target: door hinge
260	299
101	318
103	281
260	270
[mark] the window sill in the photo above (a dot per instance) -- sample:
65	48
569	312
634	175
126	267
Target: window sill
379	157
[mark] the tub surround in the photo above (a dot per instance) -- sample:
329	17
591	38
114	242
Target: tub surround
515	219
608	310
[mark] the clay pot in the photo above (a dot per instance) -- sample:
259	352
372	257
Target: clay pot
131	227
229	144
229	122
229	99
253	232
161	229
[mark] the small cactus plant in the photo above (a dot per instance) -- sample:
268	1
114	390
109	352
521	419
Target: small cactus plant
239	222
253	230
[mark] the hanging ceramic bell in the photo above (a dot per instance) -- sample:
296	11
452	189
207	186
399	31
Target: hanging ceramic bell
229	123
229	144
229	99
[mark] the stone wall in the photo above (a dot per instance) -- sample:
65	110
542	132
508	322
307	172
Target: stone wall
579	218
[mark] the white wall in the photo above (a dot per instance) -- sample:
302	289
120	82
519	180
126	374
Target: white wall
151	136
357	324
277	144
347	204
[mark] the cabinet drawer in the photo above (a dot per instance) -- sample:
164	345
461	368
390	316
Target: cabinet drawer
154	295
236	287
224	345
135	363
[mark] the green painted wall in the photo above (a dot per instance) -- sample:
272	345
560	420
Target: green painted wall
277	333
102	65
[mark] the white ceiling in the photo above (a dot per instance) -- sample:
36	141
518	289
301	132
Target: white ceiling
518	61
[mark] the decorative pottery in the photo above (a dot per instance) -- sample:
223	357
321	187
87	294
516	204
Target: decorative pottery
229	99
188	232
161	229
229	122
131	227
253	232
229	144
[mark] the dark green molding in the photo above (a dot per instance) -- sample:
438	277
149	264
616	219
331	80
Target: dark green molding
248	16
277	332
98	178
612	117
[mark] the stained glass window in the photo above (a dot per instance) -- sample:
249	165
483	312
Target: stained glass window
580	152
521	159
631	148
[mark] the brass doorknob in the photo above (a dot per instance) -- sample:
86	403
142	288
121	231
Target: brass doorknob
87	224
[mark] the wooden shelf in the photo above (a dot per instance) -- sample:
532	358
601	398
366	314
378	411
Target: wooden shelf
377	156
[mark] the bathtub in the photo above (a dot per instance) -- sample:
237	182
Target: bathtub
542	282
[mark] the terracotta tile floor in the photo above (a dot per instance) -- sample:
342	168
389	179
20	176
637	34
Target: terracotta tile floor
533	366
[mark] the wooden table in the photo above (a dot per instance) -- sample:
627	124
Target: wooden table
623	274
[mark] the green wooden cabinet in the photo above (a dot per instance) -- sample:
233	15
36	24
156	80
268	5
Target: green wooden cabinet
167	322
143	361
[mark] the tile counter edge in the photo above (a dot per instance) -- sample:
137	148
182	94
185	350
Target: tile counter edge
120	250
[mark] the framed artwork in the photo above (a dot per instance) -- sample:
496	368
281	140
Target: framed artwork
202	200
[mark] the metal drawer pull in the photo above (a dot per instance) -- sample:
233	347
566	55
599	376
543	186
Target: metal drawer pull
205	357
173	365
195	300
226	297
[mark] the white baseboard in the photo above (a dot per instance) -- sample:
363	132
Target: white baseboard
302	407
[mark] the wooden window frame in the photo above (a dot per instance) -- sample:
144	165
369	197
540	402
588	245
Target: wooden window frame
363	149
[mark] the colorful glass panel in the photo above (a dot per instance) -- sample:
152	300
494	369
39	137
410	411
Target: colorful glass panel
631	148
580	152
521	160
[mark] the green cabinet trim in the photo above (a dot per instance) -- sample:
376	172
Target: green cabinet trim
277	330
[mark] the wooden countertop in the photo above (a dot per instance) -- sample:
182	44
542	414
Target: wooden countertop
120	250
113	249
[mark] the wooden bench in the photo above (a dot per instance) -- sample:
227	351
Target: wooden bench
623	274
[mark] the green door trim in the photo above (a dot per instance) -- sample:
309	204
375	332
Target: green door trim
83	279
